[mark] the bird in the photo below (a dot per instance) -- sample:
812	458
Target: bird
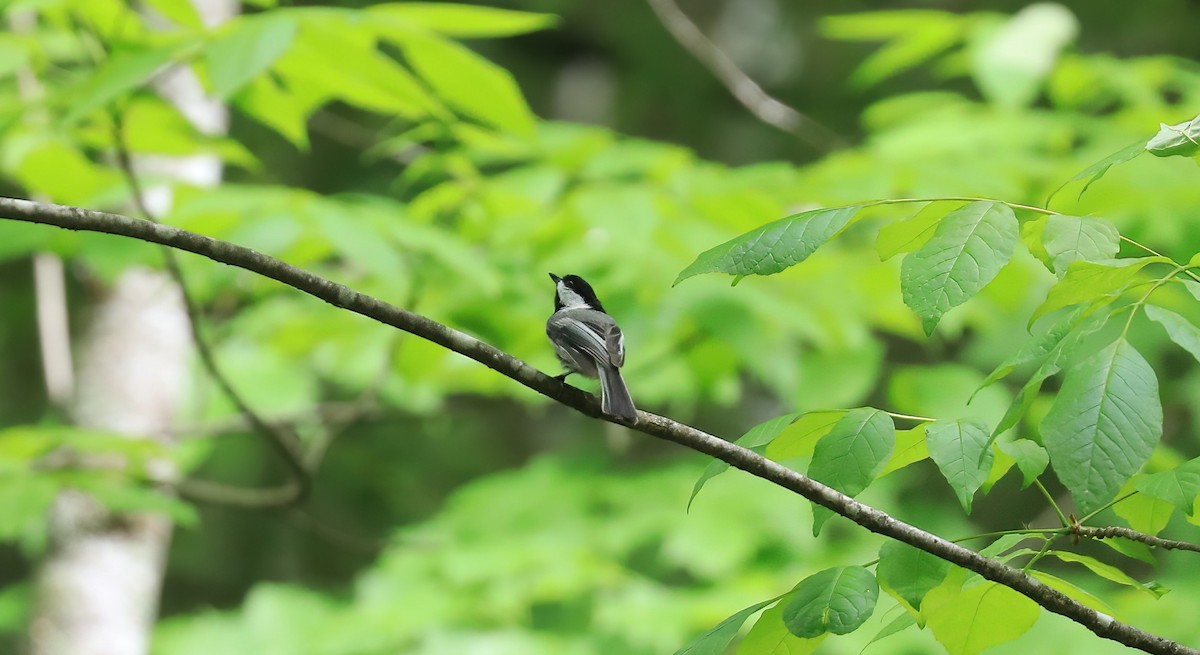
588	342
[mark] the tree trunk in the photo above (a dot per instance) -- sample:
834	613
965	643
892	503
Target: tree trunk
98	587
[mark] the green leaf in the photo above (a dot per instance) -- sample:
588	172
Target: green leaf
1181	139
1134	549
1182	331
247	48
962	453
1093	282
908	574
851	455
1071	238
911	233
902	622
14	54
1059	353
469	83
1178	486
1073	592
910	449
1031	458
1106	571
996	549
968	621
800	438
770	636
715	641
1036	349
1104	424
180	12
1011	64
1002	463
125	497
969	247
269	103
837	601
1098	169
121	73
456	20
1143	513
757	436
773	247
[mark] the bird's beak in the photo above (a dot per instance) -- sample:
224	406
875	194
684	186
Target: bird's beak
556	278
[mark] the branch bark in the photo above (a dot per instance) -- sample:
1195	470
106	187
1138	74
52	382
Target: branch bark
74	218
765	107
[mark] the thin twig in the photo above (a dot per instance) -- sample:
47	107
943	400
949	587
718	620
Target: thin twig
1133	535
875	520
284	443
768	109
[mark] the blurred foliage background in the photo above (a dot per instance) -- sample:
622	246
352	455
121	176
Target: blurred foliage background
456	512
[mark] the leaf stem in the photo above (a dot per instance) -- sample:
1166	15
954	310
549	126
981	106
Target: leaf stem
1146	296
1107	505
1057	510
1040	554
1014	205
1003	533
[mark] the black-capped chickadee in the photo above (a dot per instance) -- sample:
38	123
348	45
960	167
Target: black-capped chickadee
588	341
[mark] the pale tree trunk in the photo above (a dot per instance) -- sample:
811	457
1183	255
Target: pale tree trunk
98	586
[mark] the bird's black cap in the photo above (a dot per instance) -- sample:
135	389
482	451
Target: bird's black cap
579	286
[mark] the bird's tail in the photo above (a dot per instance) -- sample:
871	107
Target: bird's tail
614	395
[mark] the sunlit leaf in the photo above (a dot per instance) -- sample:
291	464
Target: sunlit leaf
247	48
902	622
1142	512
180	12
1102	569
1097	170
1073	592
123	72
715	641
914	36
910	448
1089	282
1180	139
757	436
469	83
270	104
961	450
911	233
1104	423
773	247
801	437
851	455
1071	238
968	621
836	601
770	636
457	20
969	247
1011	64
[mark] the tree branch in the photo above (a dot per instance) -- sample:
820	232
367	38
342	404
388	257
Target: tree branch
1133	535
74	218
765	107
283	442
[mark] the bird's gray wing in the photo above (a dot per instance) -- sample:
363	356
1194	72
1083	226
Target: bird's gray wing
582	331
614	343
